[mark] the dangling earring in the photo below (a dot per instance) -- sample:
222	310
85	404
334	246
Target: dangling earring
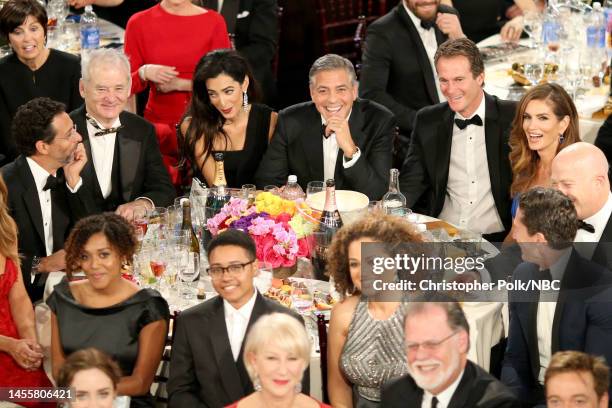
256	383
561	138
245	101
298	388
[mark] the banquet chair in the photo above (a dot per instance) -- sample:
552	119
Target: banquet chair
322	323
339	21
158	388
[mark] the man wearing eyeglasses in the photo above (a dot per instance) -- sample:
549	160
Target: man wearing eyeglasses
125	171
207	367
44	184
437	339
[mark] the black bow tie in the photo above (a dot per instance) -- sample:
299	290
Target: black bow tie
586	226
428	24
54	182
101	132
474	120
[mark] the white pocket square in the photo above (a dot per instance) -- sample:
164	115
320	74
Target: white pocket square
243	14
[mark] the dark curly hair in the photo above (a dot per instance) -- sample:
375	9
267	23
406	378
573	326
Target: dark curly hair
87	359
15	12
379	227
552	213
206	121
119	233
33	122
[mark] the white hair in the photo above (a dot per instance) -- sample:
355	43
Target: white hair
104	56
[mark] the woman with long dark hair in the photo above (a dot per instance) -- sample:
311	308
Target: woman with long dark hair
222	118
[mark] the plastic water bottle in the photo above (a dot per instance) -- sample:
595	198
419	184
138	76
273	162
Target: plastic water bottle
292	190
551	29
90	32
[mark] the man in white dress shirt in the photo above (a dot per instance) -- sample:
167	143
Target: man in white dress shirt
335	136
207	367
125	172
437	339
457	167
45	187
581	172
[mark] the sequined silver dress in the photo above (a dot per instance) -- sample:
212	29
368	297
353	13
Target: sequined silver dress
373	353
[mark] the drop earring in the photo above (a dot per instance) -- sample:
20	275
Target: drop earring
561	138
256	383
245	101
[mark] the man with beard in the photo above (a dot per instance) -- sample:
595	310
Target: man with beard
45	187
580	171
437	340
398	68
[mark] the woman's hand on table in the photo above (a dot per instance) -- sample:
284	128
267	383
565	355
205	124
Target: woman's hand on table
511	31
27	353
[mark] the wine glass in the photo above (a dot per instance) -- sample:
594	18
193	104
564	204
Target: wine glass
188	270
532	25
314	187
533	72
573	76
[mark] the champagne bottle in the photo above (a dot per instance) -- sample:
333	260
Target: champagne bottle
218	196
188	226
330	223
394	202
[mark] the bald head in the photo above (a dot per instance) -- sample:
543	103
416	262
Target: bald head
581	172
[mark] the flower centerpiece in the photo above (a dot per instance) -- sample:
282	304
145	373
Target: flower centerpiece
281	233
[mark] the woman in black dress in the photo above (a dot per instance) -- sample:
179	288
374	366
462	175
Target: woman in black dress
106	311
32	70
220	118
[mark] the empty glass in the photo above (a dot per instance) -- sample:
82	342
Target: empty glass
533	72
248	192
314	187
188	270
532	25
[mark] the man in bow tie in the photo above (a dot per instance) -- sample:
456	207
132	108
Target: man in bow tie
45	188
398	60
125	170
457	167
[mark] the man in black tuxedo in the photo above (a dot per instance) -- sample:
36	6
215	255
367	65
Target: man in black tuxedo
125	169
575	315
398	70
577	378
457	167
437	340
254	25
207	367
580	171
335	136
45	188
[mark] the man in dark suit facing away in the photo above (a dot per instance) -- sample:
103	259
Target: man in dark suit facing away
125	169
437	340
335	136
457	167
207	367
45	189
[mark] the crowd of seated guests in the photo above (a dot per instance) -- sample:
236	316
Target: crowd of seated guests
80	166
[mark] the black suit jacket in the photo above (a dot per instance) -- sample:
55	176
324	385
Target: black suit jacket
142	172
203	372
582	322
477	389
396	71
24	207
297	148
255	26
424	175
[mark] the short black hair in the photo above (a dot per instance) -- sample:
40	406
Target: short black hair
33	122
15	12
233	237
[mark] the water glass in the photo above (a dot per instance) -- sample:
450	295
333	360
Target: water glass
314	187
249	192
533	72
532	25
272	189
188	271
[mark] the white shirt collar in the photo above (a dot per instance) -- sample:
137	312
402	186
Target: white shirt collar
445	396
246	309
480	111
40	175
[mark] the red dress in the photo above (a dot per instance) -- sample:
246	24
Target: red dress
12	374
155	36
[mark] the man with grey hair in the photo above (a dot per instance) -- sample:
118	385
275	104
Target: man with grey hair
437	340
336	135
124	171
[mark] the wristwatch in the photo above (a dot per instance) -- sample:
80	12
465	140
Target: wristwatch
35	263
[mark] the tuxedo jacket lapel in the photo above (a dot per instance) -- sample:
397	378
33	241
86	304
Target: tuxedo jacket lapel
223	353
312	143
423	59
31	199
129	154
440	148
493	146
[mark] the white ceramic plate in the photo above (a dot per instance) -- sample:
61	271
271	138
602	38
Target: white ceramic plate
346	200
